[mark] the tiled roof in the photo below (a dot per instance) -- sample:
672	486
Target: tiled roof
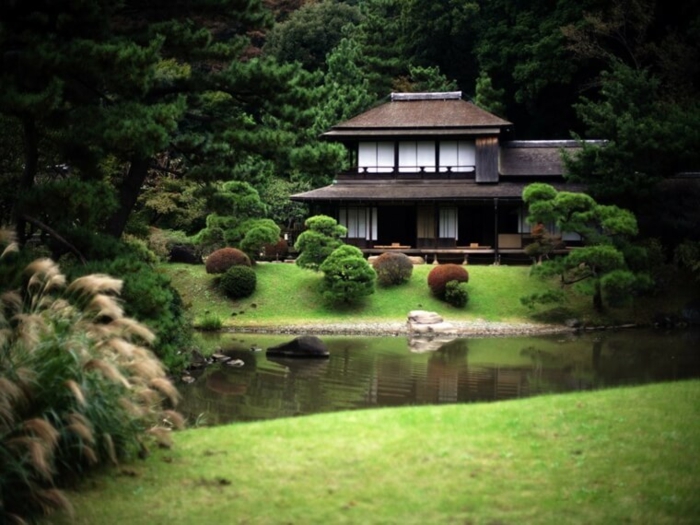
536	157
422	190
425	113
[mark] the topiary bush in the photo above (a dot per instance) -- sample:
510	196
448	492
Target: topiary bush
456	293
443	274
392	268
347	276
238	282
223	259
322	236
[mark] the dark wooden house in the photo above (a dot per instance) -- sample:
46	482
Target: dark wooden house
432	175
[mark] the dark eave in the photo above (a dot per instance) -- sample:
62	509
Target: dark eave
395	190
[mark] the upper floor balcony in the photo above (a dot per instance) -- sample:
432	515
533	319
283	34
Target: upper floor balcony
465	172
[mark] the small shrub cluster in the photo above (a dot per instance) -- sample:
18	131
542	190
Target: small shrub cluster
443	274
393	268
78	387
276	251
347	276
238	282
456	294
221	260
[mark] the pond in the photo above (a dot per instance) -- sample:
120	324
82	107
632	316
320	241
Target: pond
373	372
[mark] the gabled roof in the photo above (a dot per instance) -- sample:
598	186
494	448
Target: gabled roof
421	114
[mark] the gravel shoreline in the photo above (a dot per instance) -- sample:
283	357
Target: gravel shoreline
476	328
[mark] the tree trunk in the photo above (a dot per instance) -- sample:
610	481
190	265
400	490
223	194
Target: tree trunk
598	296
128	194
30	140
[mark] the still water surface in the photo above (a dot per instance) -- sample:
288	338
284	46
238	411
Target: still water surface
371	372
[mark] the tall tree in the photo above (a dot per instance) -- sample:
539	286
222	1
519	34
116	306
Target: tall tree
103	88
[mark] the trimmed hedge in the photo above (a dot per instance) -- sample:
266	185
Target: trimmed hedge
238	282
223	259
392	268
443	274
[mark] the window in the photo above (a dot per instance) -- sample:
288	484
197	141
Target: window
448	223
459	155
376	157
360	221
415	155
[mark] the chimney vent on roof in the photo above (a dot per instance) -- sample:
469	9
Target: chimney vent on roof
447	95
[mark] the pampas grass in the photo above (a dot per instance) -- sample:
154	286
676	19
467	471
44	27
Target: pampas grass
78	387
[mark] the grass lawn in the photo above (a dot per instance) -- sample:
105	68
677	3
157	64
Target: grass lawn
617	456
288	294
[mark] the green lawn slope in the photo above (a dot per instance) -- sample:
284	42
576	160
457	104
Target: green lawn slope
617	456
286	294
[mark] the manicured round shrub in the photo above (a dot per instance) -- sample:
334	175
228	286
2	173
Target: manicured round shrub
224	258
392	268
443	274
347	276
456	293
238	282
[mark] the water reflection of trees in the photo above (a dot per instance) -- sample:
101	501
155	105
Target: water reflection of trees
376	372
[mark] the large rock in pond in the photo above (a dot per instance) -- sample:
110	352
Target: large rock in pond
304	346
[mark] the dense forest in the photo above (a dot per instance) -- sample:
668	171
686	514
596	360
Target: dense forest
129	127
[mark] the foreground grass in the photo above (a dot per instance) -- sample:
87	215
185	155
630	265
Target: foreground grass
617	456
286	294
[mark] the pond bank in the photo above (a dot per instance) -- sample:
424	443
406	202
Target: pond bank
476	328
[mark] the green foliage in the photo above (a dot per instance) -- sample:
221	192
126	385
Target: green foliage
489	98
210	322
318	241
687	255
648	137
238	282
608	259
221	260
259	233
456	294
79	388
310	33
392	268
443	274
347	276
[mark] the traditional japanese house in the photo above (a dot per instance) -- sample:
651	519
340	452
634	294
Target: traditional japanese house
433	174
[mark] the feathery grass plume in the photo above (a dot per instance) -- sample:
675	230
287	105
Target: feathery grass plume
148	397
165	387
10	390
123	349
162	435
76	391
172	419
80	426
41	272
146	369
13	247
109	446
131	408
129	328
108	370
102	306
89	454
11	302
36	452
43	430
89	285
54	499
